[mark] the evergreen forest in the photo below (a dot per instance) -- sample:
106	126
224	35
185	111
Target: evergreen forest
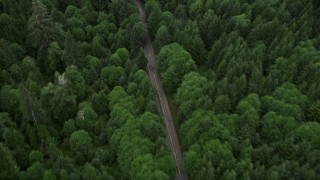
242	78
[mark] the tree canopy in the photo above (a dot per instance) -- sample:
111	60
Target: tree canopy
241	76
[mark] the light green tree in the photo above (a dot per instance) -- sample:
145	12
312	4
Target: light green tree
193	94
174	62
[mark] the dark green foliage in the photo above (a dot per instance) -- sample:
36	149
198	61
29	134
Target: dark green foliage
77	103
113	76
262	70
9	168
222	104
99	102
138	34
41	28
121	9
153	12
55	58
10	53
58	103
75	83
98	47
194	44
9	101
31	107
35	156
18	12
162	38
313	112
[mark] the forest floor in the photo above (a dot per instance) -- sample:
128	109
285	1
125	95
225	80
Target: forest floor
172	137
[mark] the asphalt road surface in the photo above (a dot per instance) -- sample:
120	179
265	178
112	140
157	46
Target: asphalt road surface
163	102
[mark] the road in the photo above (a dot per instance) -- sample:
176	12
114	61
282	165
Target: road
172	137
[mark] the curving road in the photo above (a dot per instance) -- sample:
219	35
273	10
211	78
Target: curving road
156	83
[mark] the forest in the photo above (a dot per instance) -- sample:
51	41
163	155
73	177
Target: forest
242	76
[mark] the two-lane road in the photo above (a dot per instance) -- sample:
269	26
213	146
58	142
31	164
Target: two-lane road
163	102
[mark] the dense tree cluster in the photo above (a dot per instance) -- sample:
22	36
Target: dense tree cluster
249	106
74	100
